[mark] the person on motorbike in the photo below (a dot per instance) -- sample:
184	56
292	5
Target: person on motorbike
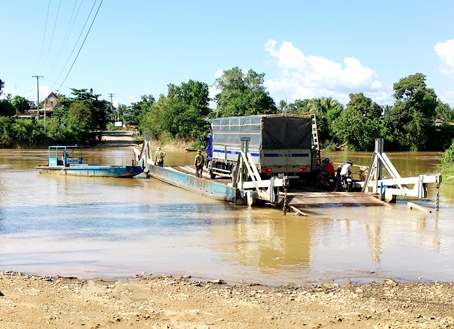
329	170
344	172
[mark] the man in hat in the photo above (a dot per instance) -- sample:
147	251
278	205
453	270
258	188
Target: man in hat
159	157
198	163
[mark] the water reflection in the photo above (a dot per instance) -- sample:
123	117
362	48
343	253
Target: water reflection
98	226
258	237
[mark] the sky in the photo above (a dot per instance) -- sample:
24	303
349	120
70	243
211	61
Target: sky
306	48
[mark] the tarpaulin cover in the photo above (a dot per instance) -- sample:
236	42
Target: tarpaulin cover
280	131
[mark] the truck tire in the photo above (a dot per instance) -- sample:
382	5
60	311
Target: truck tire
210	170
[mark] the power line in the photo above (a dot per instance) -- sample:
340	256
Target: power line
68	32
44	36
52	37
77	41
81	44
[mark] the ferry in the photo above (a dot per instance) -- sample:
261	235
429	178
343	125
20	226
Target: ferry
68	160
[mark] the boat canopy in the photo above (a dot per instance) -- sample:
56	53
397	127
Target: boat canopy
62	155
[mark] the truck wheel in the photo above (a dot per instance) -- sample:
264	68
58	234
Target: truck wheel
210	170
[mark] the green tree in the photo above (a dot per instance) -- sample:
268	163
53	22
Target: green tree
444	112
121	113
242	94
192	118
81	115
299	106
447	165
413	113
139	109
359	124
182	114
2	84
326	111
28	133
6	108
21	104
21	133
152	119
100	111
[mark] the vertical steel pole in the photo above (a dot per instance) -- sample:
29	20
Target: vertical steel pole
437	200
37	91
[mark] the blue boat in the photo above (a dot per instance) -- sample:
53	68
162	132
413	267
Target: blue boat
68	160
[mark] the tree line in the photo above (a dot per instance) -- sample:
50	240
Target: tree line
417	121
74	121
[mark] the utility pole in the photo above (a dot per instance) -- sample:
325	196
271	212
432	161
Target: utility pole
37	91
111	106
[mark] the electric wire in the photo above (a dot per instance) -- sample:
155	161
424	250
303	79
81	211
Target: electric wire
52	37
67	33
75	45
88	32
44	37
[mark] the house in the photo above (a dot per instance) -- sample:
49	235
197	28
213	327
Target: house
51	100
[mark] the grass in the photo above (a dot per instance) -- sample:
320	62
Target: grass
446	166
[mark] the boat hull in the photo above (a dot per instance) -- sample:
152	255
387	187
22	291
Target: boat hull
92	171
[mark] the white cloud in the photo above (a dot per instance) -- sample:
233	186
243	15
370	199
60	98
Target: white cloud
6	90
218	73
445	51
304	77
448	97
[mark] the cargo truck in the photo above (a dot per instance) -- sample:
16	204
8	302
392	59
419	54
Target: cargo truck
280	144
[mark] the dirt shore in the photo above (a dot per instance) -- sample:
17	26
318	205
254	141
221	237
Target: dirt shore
147	301
126	139
117	139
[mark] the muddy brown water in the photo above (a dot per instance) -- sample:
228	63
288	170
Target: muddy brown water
92	227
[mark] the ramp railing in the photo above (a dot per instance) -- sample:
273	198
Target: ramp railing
246	177
394	186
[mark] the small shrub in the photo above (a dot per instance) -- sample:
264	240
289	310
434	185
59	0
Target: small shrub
447	165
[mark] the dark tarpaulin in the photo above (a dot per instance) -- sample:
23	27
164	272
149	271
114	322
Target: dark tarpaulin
286	132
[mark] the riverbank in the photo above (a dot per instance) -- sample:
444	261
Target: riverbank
147	301
111	139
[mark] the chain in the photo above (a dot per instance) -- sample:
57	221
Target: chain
284	207
437	201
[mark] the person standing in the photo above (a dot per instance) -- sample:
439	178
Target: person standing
198	163
159	157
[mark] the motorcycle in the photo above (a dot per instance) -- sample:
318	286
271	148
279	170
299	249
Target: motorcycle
329	183
346	183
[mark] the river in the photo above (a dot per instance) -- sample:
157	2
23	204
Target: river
98	227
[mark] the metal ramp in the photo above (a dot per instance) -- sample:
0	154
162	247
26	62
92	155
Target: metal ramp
246	186
388	189
246	178
317	199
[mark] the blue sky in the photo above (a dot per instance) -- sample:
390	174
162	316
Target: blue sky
306	49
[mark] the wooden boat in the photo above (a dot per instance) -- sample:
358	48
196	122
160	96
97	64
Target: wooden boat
68	160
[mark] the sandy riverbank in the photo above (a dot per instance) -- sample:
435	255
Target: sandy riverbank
147	301
126	139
